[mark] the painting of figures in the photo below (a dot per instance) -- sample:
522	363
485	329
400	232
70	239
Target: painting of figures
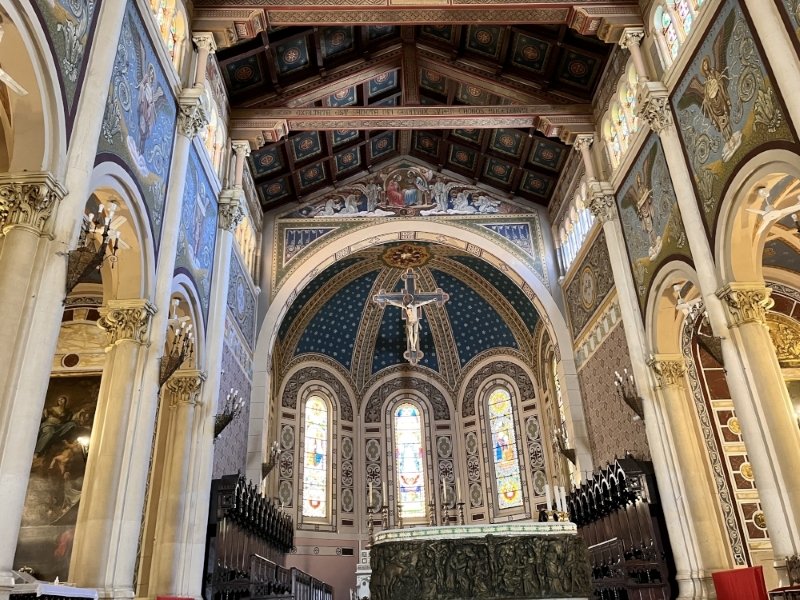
405	191
54	489
651	222
139	120
726	106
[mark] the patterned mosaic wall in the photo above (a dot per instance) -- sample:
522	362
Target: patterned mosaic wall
69	26
791	10
198	230
139	119
589	286
230	448
650	218
726	106
612	431
242	300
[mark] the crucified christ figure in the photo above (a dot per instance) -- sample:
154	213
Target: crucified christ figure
410	301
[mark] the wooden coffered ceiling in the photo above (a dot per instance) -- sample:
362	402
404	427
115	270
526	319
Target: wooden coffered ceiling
493	103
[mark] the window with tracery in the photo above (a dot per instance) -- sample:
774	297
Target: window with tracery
171	26
621	122
673	21
315	460
409	452
505	457
577	223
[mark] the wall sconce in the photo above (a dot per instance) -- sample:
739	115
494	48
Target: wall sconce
84	443
266	467
179	345
560	441
626	391
694	310
99	236
232	409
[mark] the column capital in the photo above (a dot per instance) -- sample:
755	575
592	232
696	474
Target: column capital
631	36
241	148
230	209
746	302
204	40
191	115
126	320
28	199
583	141
653	105
601	201
669	369
185	386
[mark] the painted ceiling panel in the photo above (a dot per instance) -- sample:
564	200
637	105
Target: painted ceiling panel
333	329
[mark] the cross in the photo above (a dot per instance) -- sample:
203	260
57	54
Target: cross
410	300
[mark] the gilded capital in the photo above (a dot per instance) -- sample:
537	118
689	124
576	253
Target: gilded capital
28	199
185	386
746	302
126	320
603	206
191	116
669	372
653	106
230	211
631	36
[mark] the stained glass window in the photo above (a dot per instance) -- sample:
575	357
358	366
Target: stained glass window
504	449
685	14
315	476
409	455
669	32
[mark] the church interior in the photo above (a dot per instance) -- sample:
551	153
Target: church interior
400	299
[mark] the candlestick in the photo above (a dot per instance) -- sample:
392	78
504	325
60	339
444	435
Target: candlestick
548	497
444	492
370	493
383	490
458	489
460	513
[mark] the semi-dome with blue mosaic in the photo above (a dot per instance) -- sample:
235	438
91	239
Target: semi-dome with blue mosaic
335	316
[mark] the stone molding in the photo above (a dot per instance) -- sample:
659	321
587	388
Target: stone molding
653	105
185	386
602	202
28	199
230	210
746	302
669	370
191	114
631	36
126	320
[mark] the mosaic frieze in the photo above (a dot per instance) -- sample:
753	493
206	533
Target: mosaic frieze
791	9
651	221
230	449
318	374
493	369
441	410
139	120
726	106
198	232
589	286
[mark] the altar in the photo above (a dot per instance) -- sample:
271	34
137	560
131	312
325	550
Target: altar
503	561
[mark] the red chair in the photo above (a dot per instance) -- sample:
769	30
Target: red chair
741	584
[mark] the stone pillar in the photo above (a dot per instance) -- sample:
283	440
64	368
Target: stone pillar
772	468
230	215
631	40
206	46
101	555
583	143
696	491
183	390
27	203
684	544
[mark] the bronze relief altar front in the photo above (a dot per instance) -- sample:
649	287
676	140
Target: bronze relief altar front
481	568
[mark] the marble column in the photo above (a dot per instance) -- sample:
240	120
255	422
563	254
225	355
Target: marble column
774	456
684	544
696	490
205	48
101	555
183	391
27	204
631	40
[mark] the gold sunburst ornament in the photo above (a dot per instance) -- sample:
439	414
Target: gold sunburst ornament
406	256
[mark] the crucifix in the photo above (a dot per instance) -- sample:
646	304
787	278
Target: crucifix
410	301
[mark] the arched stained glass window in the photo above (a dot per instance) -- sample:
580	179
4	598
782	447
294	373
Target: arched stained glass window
667	27
315	475
685	14
504	449
409	453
